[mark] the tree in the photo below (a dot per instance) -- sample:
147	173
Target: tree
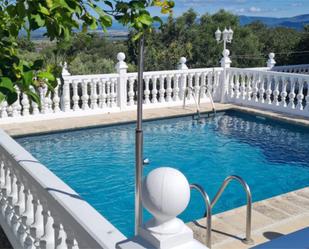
59	18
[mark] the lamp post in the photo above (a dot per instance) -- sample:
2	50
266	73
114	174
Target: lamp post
226	36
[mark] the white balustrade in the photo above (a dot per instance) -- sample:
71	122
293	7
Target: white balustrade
299	69
283	92
103	93
33	201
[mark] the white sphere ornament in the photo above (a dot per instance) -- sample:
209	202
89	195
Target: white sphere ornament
121	56
165	194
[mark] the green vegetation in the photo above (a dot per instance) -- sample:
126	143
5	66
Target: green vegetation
59	18
188	35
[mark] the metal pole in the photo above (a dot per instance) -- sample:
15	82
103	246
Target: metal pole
139	140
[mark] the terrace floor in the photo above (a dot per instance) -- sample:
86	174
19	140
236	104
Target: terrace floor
70	123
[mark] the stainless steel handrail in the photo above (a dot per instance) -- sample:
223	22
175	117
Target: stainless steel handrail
210	97
194	97
209	213
248	239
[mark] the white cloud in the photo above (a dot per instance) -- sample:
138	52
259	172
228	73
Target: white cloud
254	9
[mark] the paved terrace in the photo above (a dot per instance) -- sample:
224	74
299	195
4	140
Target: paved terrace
96	120
271	218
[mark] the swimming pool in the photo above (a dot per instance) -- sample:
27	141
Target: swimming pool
99	163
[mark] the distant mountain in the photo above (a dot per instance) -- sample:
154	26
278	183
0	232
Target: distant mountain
296	22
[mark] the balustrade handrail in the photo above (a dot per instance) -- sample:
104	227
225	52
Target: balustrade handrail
80	221
274	73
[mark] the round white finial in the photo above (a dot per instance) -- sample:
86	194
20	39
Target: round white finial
165	193
271	61
183	60
121	56
271	56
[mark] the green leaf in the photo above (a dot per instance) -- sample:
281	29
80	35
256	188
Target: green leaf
27	79
46	75
145	19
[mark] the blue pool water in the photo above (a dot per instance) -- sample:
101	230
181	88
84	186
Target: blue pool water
99	163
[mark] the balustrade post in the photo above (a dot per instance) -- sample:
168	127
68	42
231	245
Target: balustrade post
271	61
121	68
223	85
183	78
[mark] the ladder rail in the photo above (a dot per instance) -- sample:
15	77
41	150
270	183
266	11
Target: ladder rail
206	199
248	239
210	97
194	97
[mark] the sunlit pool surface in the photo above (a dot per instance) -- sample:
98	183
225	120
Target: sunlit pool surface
99	163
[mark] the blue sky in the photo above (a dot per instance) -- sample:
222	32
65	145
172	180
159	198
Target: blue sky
272	8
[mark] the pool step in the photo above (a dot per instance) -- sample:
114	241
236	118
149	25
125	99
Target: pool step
271	218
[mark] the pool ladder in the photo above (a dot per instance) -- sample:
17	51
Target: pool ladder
210	205
198	101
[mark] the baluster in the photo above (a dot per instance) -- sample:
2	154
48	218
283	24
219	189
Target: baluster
300	95
16	107
154	90
16	219
4	113
62	237
56	98
169	89
2	175
21	203
183	85
3	201
8	213
75	96
21	232
103	95
237	85
49	102
276	91
8	183
35	106
261	89
85	96
162	90
47	241
242	86
269	91
203	85
14	189
108	95
37	227
307	98
29	212
101	99
113	93
26	105
196	84
131	91
42	98
176	88
255	87
292	94
232	85
93	95
249	86
190	86
147	91
284	93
